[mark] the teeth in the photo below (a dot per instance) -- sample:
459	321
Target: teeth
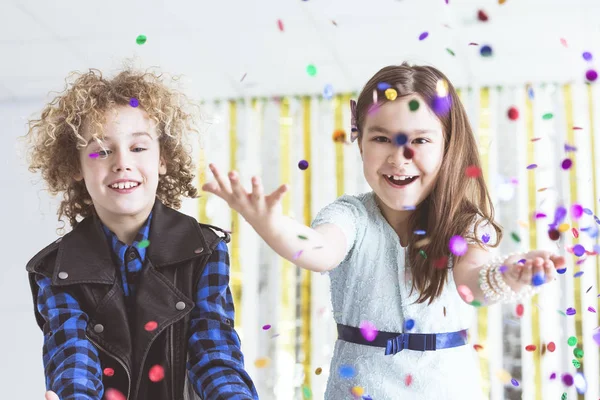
124	185
399	178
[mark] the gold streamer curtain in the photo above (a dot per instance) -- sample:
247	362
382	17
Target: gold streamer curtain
268	137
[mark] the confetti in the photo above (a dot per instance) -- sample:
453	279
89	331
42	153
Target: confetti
571	311
465	293
450	52
444	311
413	105
114	394
303	165
318	371
503	375
423	35
576	211
532	166
587	56
577	352
578	250
156	373
391	94
383	86
591	75
578	274
576	363
485	51
553	234
150	326
409	324
357	391
423	254
262	362
408	154
567	379
520	310
141	39
368	330
143	244
94	155
243	77
572	341
280	25
347	372
513	113
473	44
419	232
441	262
580	383
311	70
530	347
563	41
596	338
514	382
473	171
547	116
133	102
477	347
266	327
458	246
108	371
328	91
591	309
297	255
408	380
302	237
515	237
400	139
551	347
553	376
566	164
538	279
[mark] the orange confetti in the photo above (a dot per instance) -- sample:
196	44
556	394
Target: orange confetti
542	189
478	347
358	391
262	362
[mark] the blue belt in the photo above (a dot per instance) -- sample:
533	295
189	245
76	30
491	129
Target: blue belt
396	342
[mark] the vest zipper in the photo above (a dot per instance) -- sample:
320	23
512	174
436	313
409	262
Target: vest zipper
172	347
118	360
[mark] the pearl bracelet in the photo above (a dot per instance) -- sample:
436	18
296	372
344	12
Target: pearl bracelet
495	288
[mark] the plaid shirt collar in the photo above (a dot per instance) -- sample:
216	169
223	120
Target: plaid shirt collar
140	243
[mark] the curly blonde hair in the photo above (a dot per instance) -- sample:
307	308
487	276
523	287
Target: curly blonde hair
53	140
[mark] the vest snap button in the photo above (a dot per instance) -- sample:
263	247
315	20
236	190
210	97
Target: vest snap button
180	305
58	240
63	275
98	328
199	250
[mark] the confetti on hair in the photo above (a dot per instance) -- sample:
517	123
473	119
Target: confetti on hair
441	262
423	35
419	232
141	39
150	326
391	94
423	254
458	245
368	330
472	171
133	102
156	373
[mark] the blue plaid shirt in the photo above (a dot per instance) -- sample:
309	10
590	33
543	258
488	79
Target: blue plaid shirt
215	365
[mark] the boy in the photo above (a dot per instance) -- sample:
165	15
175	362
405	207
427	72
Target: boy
134	302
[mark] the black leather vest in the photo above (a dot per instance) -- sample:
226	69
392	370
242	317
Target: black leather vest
165	291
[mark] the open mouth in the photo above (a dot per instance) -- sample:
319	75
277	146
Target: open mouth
125	188
400	182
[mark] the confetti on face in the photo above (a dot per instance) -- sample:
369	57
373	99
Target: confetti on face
311	70
465	293
94	155
482	16
473	171
391	94
400	139
513	113
485	51
347	372
413	105
261	362
150	326
328	91
280	25
114	394
108	371
591	75
458	246
423	35
303	165
566	163
567	379
409	324
141	39
408	153
368	330
156	373
133	102
297	255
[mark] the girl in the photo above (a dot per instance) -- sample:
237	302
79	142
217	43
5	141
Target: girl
402	276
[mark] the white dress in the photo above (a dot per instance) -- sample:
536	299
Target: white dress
370	285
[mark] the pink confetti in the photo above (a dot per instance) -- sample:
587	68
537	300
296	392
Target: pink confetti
297	255
465	293
563	41
368	330
113	394
458	246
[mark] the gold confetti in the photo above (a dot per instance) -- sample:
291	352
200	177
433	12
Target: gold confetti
262	362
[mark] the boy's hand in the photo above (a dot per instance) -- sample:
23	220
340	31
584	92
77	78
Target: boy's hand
256	208
539	268
50	395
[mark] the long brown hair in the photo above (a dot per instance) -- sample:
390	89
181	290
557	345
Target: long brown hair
455	200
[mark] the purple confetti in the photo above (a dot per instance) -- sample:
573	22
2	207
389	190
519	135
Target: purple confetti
576	211
485	238
297	255
569	148
591	309
441	105
423	35
266	327
134	102
591	75
578	250
566	164
571	311
514	382
368	330
597	338
567	379
502	269
587	56
532	166
458	246
553	376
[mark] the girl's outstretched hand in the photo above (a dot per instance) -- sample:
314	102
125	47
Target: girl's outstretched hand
539	268
256	208
50	395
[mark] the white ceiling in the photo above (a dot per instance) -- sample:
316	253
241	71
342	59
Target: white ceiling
213	44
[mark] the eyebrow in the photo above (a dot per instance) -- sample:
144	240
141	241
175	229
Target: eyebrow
380	129
109	139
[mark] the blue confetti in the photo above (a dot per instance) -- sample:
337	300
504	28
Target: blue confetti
538	279
561	213
597	220
409	324
485	51
383	86
347	372
561	271
531	93
134	102
578	274
328	91
514	382
587	211
420	232
410	207
400	139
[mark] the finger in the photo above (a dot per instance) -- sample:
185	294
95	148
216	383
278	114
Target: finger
221	181
559	261
50	395
526	274
550	271
211	187
257	189
236	187
275	197
539	276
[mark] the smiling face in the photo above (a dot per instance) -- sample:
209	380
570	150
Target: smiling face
382	156
129	150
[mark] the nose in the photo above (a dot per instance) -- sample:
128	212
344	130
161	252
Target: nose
401	155
122	162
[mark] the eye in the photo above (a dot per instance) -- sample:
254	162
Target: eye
376	139
423	140
103	153
140	149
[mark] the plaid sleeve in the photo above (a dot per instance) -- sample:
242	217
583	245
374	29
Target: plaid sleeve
71	362
216	362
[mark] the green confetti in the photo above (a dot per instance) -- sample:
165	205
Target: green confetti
306	392
564	396
422	253
413	105
576	364
302	237
515	237
451	52
561	313
311	70
143	244
141	39
476	303
547	116
578	352
572	341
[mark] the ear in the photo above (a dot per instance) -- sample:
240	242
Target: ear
78	176
162	166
